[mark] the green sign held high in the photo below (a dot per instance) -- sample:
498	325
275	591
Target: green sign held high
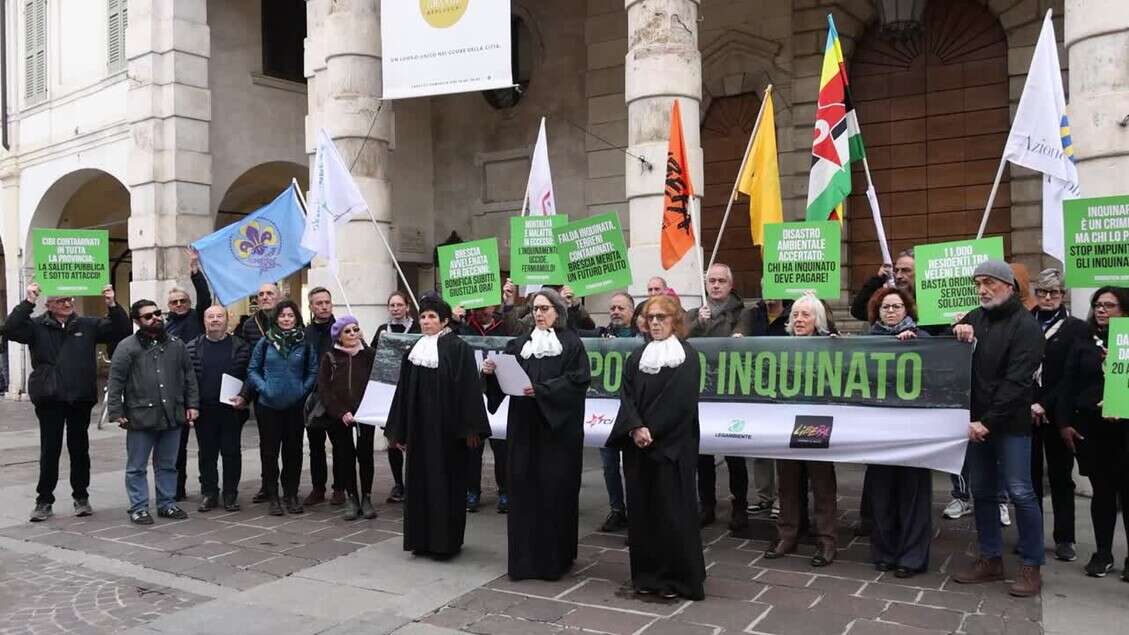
533	249
943	273
594	255
801	258
1115	398
1097	241
71	262
468	273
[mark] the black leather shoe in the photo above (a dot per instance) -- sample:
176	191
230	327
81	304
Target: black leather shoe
883	566
706	516
904	573
141	517
780	549
260	497
739	521
172	512
230	503
616	521
293	505
824	555
275	507
208	503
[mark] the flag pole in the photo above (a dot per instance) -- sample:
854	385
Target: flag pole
336	276
740	173
698	251
876	214
384	239
991	197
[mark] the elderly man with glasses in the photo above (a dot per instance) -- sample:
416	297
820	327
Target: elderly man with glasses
63	385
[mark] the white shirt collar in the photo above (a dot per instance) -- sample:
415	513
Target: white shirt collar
425	352
666	353
542	343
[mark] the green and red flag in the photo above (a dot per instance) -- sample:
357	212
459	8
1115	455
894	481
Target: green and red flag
837	140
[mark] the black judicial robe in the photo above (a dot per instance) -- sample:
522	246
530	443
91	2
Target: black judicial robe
545	435
662	504
433	411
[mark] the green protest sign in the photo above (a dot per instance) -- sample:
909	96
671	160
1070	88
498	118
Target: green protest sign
533	249
593	254
801	258
1097	241
1115	398
943	275
468	274
71	261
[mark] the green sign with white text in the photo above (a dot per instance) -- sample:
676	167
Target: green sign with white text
533	249
469	275
1115	399
801	258
594	254
943	277
71	261
1097	241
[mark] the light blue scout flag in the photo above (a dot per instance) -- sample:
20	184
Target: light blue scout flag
263	247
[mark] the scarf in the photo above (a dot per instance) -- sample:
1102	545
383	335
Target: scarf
350	351
880	328
406	323
662	353
1047	319
425	352
542	343
284	341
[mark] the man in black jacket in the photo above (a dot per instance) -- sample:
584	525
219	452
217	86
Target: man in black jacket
220	426
254	328
1008	348
187	323
63	385
902	274
317	333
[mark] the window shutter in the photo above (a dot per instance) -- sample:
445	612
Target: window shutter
115	34
35	49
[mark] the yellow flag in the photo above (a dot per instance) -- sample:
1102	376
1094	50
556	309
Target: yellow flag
760	177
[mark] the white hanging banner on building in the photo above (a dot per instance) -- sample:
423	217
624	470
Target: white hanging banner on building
436	47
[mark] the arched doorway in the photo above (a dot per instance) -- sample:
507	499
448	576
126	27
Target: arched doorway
725	134
934	115
250	191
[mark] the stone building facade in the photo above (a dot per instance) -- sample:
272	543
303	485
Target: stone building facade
181	115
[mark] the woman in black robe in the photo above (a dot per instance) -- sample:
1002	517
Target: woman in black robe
657	429
436	417
545	434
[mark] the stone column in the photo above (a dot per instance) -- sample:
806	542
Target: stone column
13	256
170	165
1096	39
343	68
663	63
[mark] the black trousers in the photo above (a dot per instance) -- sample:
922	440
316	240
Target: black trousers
1104	457
396	463
281	432
182	460
1045	439
900	505
474	466
349	455
319	473
707	480
55	418
218	431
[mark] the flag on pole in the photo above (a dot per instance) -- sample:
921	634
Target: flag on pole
263	247
539	198
760	176
677	222
334	198
837	140
1040	136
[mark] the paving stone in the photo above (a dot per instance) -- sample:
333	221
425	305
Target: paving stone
483	601
277	542
799	622
606	620
789	597
922	616
613	555
539	610
607	541
871	627
606	594
235	533
364	537
965	602
732	615
983	625
537	588
998	602
501	625
451	617
281	566
228	576
324	550
244	557
890	592
208	549
731	556
838	585
175	564
832	602
673	627
733	572
784	578
611	571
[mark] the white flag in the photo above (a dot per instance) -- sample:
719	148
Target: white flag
539	190
1040	136
334	198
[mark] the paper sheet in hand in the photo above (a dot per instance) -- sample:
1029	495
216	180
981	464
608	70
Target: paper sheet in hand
511	376
229	388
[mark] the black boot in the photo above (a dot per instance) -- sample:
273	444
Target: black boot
739	519
367	508
352	508
275	506
260	496
293	505
706	515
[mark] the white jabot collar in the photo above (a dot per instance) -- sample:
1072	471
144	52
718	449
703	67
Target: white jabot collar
663	353
542	343
425	352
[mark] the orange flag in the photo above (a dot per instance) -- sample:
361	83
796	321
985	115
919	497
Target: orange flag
678	227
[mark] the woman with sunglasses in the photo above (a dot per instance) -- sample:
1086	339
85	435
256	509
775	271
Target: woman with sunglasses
545	438
399	321
1101	445
657	429
283	370
342	378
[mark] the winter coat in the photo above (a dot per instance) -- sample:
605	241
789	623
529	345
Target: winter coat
188	326
722	323
63	364
281	382
342	379
152	383
1057	353
240	357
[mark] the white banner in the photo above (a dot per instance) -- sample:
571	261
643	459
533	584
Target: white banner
436	47
934	438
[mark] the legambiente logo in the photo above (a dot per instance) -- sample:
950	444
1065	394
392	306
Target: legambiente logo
442	13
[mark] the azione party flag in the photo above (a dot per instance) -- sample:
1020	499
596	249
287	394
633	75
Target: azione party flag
263	247
677	223
837	140
760	176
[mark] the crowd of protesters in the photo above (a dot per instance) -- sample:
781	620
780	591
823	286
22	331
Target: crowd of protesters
1036	392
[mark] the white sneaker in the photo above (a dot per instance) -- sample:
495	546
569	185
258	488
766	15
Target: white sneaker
1005	517
957	509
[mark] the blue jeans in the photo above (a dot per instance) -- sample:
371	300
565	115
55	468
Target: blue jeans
612	481
961	488
1008	457
163	445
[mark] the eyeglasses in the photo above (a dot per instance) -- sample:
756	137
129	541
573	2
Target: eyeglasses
62	300
893	307
1107	306
146	317
178	301
658	317
1047	293
542	308
351	330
